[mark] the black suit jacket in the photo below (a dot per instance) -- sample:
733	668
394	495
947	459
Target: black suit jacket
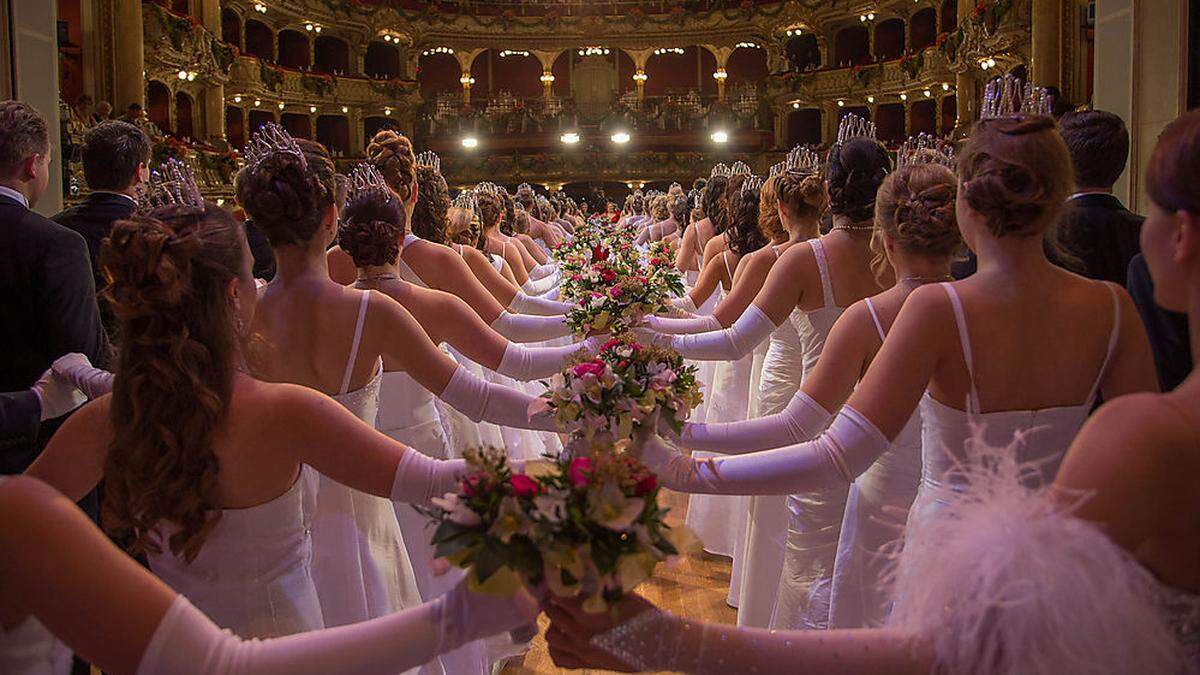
47	309
1168	331
1102	233
20	415
93	219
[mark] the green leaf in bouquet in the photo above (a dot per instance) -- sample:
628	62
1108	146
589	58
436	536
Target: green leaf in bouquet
448	530
489	559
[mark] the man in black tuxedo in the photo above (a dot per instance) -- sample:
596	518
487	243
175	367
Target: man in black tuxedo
116	159
1095	227
49	301
22	412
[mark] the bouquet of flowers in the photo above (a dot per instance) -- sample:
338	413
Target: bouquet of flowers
588	525
604	398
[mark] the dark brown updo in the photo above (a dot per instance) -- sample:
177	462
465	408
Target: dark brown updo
392	154
168	275
433	200
1016	173
915	208
743	233
286	199
372	226
855	170
508	225
802	193
713	203
491	208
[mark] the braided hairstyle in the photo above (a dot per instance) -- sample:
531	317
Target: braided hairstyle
658	208
713	203
392	154
168	275
803	194
433	201
286	197
491	208
856	168
680	208
508	225
743	234
915	209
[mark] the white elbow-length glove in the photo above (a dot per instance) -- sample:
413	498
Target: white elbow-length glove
542	271
56	395
530	363
685	303
529	328
801	420
847	448
79	371
732	343
529	304
705	323
540	286
485	402
186	642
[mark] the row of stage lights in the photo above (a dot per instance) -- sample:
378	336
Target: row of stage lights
620	137
311	109
927	93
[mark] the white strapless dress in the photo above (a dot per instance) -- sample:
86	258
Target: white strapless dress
252	575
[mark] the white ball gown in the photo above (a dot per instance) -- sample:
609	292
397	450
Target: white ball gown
876	510
814	518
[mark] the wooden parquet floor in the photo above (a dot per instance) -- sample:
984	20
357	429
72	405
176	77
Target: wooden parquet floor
695	587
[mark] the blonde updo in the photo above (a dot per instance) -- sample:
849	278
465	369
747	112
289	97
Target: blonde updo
768	211
915	208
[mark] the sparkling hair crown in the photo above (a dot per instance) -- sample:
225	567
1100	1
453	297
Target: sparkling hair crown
925	149
430	160
752	183
1010	96
272	139
803	160
366	182
524	187
674	186
853	126
488	189
465	200
172	184
720	170
739	168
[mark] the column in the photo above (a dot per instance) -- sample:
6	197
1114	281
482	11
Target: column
34	40
964	82
358	140
129	85
1046	43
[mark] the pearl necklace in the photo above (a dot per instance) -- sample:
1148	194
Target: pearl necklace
853	228
387	276
926	280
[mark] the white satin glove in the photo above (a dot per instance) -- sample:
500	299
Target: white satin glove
419	478
540	286
79	371
485	402
530	363
527	328
802	419
57	395
751	328
848	448
682	326
542	271
685	303
528	304
187	642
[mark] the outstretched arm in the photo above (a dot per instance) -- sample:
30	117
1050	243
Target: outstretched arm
444	270
501	288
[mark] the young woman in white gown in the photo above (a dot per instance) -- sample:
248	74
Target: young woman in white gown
1097	574
463	230
811	285
63	580
335	339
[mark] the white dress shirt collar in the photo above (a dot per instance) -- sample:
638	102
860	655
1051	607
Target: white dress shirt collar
14	195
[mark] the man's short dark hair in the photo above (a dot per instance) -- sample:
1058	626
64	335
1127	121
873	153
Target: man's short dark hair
1099	145
111	154
134	107
23	133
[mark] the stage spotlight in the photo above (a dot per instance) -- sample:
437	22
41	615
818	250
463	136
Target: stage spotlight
621	137
570	138
470	142
719	136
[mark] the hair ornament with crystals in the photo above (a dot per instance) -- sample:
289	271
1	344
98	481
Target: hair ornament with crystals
720	170
524	187
272	139
488	189
925	149
802	160
739	168
430	160
172	184
752	183
853	126
366	182
776	169
1010	96
465	200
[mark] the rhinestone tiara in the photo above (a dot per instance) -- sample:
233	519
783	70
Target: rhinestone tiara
739	168
803	160
366	182
720	170
172	184
925	149
853	126
524	187
1010	96
430	160
465	200
272	139
752	183
488	188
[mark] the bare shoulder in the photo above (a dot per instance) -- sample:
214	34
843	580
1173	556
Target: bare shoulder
473	255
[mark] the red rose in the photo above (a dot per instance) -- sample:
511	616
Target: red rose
608	276
599	253
645	485
579	470
523	486
589	368
470	485
614	342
